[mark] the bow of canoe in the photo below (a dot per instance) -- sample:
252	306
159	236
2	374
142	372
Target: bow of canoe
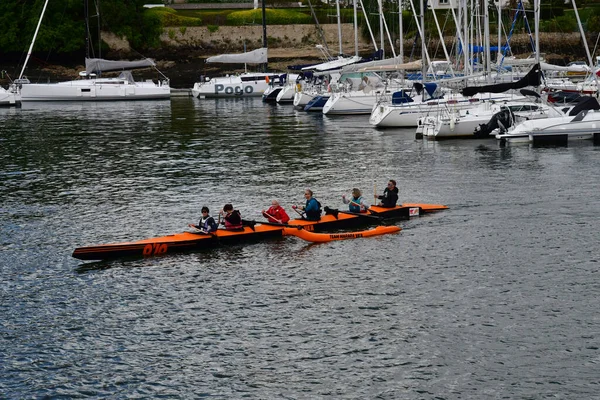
176	243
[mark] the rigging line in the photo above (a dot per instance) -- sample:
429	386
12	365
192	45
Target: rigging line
510	33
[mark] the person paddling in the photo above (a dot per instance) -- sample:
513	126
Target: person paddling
356	202
276	213
232	219
312	209
207	223
390	195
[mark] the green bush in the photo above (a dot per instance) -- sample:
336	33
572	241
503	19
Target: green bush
212	28
273	17
170	17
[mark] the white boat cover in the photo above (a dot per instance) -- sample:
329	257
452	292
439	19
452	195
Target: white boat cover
390	66
98	65
572	68
258	56
334	64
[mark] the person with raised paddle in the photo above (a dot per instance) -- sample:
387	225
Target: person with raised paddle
312	209
207	223
232	219
276	213
356	202
389	198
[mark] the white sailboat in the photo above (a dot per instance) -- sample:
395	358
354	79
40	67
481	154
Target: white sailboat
247	84
93	87
474	122
355	98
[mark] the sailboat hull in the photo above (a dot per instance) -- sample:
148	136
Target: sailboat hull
94	90
244	85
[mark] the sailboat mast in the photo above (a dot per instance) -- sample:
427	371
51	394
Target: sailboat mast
33	41
400	33
487	40
355	30
264	22
86	14
339	22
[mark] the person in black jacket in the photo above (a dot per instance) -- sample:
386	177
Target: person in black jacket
207	223
232	219
389	198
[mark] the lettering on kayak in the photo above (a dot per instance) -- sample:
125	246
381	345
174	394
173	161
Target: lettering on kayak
345	235
309	228
154	249
237	90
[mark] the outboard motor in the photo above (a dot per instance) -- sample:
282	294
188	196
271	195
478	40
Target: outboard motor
501	120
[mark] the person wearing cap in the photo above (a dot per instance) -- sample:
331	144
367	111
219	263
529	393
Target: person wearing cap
312	209
276	213
356	202
207	223
389	198
232	219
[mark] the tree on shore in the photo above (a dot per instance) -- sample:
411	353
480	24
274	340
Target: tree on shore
63	25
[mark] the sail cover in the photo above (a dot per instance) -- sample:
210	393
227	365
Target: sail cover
390	66
572	68
533	78
258	56
98	65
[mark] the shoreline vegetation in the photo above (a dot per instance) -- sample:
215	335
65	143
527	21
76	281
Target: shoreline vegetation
189	36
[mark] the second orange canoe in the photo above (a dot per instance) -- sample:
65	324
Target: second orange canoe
328	237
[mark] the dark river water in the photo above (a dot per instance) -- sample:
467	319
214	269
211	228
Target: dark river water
496	297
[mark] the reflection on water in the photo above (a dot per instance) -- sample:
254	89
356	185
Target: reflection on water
482	300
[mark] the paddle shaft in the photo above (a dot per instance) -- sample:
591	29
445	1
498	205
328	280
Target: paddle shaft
274	224
272	217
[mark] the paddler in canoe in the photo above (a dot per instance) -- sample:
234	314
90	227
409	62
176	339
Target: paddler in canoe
355	201
389	198
276	213
312	210
207	223
232	219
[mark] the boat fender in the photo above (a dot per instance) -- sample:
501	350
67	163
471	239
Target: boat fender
452	123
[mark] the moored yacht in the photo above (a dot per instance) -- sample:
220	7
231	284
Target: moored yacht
581	122
92	87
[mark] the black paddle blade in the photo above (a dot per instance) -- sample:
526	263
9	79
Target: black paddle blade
331	211
249	223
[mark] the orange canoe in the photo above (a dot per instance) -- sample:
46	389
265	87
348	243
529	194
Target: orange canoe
328	237
189	241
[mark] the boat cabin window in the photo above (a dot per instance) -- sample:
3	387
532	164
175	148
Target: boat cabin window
272	78
524	107
86	90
